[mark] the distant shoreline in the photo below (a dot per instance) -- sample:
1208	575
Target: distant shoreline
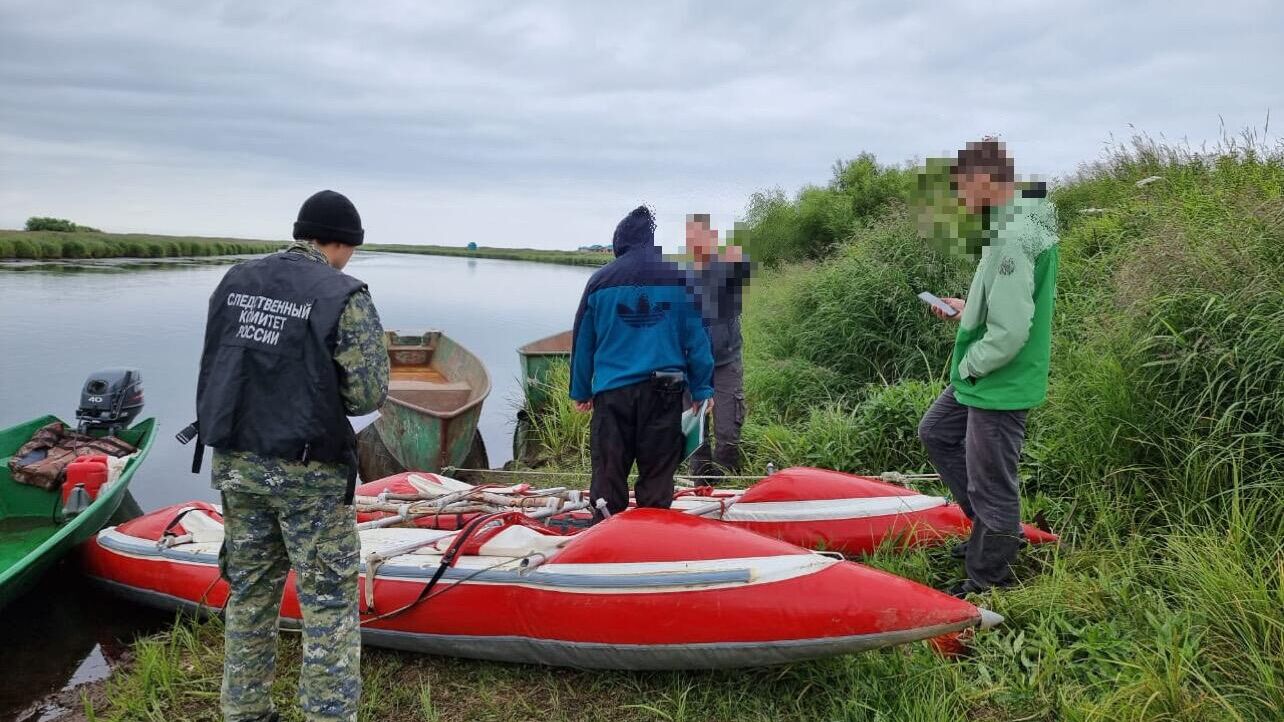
72	245
55	245
568	258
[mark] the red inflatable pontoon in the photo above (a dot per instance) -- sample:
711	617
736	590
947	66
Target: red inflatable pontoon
813	508
646	589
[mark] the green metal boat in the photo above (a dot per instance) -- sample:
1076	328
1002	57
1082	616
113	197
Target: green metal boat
33	534
435	394
536	358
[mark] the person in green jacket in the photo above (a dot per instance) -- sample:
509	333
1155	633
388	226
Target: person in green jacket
974	431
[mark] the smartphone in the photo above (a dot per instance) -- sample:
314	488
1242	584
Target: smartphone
931	299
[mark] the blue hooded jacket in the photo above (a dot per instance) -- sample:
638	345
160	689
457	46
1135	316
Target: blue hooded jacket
636	317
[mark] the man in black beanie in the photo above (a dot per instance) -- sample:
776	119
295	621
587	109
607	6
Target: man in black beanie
292	347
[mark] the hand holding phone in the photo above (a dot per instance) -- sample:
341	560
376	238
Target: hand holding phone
943	309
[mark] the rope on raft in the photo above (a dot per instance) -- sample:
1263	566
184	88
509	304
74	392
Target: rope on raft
891	477
559	500
584	474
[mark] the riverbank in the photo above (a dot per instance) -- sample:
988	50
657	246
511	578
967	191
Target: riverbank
570	258
48	245
52	245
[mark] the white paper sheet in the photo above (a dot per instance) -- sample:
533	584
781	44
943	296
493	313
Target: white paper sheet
361	422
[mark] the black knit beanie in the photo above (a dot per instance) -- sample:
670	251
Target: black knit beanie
329	217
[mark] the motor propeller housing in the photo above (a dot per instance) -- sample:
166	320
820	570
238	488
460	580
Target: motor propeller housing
110	400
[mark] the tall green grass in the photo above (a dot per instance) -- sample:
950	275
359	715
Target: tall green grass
854	320
560	432
90	244
818	219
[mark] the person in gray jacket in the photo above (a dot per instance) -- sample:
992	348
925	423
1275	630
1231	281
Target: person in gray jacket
718	280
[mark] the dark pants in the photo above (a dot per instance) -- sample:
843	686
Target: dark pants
722	455
976	452
641	423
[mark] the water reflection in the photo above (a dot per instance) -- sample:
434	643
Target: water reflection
63	320
65	632
113	265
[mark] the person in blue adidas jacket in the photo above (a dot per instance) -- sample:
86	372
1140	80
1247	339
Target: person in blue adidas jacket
638	344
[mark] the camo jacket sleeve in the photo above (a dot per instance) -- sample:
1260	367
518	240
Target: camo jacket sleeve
362	356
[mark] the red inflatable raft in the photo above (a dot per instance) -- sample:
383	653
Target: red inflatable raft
813	508
647	589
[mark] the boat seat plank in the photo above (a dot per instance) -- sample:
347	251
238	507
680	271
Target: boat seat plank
418	373
434	397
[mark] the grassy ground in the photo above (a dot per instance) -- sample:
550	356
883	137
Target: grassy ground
1159	458
1114	629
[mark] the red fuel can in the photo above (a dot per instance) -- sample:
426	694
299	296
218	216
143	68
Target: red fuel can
87	471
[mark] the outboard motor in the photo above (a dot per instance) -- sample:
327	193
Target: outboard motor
110	401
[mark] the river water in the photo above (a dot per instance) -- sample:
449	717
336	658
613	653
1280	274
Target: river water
60	322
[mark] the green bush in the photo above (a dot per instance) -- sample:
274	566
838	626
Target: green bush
58	225
819	219
857	315
38	223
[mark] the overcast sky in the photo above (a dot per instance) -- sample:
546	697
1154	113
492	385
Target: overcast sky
541	124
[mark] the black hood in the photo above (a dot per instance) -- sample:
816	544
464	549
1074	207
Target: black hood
637	230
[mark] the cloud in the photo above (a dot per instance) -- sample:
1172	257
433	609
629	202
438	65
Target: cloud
541	124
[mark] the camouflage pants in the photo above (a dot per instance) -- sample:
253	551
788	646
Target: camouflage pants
266	535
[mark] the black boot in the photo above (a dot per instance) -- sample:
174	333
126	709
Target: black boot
963	588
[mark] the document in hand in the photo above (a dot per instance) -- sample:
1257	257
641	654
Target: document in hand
693	429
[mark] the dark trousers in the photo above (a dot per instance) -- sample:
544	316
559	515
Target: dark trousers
976	452
722	455
641	423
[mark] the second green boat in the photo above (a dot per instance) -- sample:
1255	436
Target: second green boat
435	394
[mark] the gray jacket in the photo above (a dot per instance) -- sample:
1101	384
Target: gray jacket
719	292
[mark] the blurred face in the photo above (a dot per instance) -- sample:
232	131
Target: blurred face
978	190
702	241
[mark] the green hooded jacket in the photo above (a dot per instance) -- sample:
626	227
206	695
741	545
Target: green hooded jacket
1004	342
